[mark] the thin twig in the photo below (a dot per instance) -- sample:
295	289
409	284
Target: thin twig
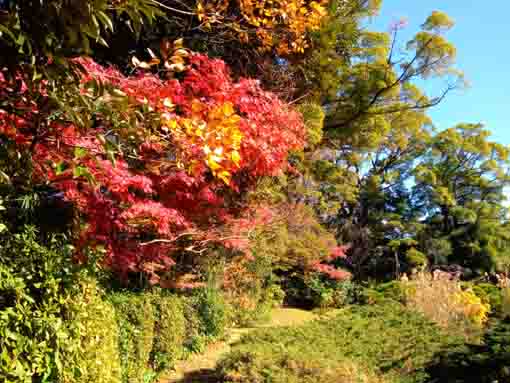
173	9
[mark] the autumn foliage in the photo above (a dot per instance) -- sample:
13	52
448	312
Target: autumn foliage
171	183
282	25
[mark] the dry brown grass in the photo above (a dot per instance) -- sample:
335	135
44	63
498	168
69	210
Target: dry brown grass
440	298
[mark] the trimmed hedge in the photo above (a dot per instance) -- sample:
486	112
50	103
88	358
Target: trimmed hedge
136	319
99	360
212	312
194	340
170	331
56	325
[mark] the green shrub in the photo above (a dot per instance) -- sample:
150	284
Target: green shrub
327	293
246	367
487	362
54	325
99	342
393	290
389	338
37	283
388	292
212	312
489	294
136	320
170	331
194	339
205	314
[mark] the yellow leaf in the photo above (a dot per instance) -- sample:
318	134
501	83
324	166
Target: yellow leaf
178	43
224	176
181	52
212	164
172	124
177	67
236	158
228	109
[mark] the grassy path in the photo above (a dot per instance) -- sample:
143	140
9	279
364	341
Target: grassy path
200	367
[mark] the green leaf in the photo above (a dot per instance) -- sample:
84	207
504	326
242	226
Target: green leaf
6	31
102	41
105	20
4	178
80	152
60	168
82	171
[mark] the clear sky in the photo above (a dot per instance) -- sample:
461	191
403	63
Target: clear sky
482	38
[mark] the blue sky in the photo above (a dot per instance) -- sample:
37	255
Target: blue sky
482	38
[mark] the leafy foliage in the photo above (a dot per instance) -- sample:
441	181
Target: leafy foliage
282	26
298	248
148	183
170	329
35	293
54	324
460	185
313	116
135	317
98	359
387	337
70	29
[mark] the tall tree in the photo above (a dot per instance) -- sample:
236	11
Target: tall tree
460	191
380	76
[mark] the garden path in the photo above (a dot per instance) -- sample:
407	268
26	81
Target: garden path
200	368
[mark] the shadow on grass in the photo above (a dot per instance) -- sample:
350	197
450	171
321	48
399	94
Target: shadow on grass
201	376
485	363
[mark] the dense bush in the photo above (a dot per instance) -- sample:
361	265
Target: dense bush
299	248
98	358
489	294
205	314
36	289
54	324
389	291
194	340
170	331
247	368
211	309
388	337
327	293
136	319
250	289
